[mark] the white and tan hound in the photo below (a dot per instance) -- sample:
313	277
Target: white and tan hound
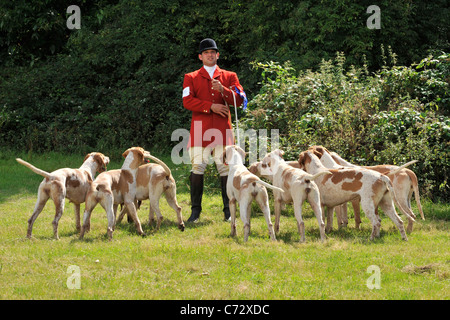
72	184
244	187
403	179
298	186
343	185
115	187
153	180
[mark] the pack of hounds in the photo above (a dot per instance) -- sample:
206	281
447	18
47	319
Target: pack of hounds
320	177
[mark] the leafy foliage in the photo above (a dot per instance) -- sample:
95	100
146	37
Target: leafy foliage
348	112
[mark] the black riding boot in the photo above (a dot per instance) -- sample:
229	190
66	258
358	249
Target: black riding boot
196	196
226	201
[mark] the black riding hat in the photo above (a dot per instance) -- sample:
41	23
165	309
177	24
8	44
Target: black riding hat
207	44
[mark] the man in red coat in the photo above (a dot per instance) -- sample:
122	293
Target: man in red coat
207	92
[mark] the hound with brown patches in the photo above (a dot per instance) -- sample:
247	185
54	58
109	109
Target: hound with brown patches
297	186
404	181
152	181
113	188
72	184
263	170
341	210
343	185
244	187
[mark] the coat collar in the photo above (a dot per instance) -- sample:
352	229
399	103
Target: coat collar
205	73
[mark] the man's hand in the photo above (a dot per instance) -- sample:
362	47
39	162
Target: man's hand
220	109
216	85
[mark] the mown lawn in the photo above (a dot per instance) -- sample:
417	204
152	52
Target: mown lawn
204	262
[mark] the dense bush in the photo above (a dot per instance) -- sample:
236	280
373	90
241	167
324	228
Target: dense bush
347	112
428	82
119	86
31	31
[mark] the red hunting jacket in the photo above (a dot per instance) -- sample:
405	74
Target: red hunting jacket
198	96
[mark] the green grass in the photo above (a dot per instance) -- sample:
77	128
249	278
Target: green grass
204	262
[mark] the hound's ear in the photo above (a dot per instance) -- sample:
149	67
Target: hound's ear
266	162
301	159
224	157
279	152
242	153
125	154
140	153
87	156
253	168
323	149
140	149
318	150
101	162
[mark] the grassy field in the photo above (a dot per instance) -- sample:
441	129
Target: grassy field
204	262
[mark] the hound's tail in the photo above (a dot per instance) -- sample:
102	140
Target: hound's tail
401	168
315	176
43	173
413	178
162	164
415	187
391	189
269	186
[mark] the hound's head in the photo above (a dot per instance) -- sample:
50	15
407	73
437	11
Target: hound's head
325	156
261	169
278	153
306	158
255	168
319	151
269	164
139	156
230	152
100	159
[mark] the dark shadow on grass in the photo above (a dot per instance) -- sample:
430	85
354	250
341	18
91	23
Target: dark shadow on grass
167	225
351	235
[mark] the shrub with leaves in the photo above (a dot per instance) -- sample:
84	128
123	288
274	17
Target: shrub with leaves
364	118
428	82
